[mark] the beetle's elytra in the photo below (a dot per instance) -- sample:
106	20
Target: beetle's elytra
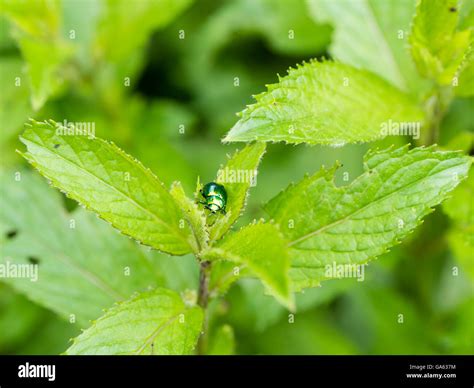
215	197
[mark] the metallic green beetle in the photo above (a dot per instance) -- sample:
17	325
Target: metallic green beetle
215	197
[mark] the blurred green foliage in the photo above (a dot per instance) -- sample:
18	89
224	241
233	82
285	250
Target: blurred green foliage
163	79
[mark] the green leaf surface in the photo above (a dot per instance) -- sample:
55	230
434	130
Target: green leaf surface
372	35
259	247
14	100
237	176
153	322
44	61
224	274
83	265
103	178
328	225
324	103
194	217
37	30
437	48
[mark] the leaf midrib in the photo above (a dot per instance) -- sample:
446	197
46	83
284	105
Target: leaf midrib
157	331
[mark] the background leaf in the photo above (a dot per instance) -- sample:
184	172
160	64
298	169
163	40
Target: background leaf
372	35
15	104
153	322
84	265
44	48
356	223
437	48
324	103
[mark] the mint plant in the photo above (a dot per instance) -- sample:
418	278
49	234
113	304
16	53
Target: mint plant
320	224
311	225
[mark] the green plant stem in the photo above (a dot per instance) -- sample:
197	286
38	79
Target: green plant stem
437	106
203	300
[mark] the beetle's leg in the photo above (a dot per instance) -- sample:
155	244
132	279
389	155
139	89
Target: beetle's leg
211	217
223	211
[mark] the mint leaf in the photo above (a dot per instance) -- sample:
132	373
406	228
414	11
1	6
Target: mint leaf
43	64
37	29
106	180
224	274
372	35
237	176
324	103
194	217
328	225
437	48
260	248
83	265
14	99
153	322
